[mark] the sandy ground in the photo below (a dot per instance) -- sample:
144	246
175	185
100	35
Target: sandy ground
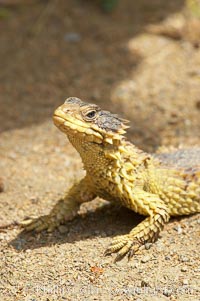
54	49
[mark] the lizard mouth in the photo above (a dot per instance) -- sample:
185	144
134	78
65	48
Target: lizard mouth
67	124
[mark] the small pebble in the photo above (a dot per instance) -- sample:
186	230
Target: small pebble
28	251
34	199
144	283
63	229
185	281
184	259
184	269
160	246
19	243
171	240
103	234
73	37
178	229
145	259
148	246
134	265
167	292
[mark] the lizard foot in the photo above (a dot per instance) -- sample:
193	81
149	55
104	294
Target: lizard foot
124	244
45	222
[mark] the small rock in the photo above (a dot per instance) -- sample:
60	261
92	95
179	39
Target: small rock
178	229
2	236
148	245
145	259
171	240
34	199
197	270
19	243
103	234
160	246
167	292
73	37
184	269
63	229
144	283
28	251
184	259
134	265
185	281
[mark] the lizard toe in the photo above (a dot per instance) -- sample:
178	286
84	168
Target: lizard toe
124	245
117	243
135	246
130	248
29	224
38	224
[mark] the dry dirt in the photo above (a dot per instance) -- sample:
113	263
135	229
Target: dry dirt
54	49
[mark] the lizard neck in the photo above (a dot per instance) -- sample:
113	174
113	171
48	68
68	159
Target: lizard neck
99	158
93	155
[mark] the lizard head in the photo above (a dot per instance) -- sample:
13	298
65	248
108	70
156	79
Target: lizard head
76	117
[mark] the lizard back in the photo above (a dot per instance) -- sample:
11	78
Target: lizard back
186	159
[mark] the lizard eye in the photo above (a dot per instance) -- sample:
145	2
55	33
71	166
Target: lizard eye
91	114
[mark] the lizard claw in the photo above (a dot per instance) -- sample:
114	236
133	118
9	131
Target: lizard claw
39	224
123	245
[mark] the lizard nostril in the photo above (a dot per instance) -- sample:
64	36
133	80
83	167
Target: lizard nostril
65	110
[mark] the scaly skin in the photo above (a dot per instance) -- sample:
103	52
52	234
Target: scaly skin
157	186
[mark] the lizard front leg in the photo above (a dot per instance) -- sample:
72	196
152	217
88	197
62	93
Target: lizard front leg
64	210
147	231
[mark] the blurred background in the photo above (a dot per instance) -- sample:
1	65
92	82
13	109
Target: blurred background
138	58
